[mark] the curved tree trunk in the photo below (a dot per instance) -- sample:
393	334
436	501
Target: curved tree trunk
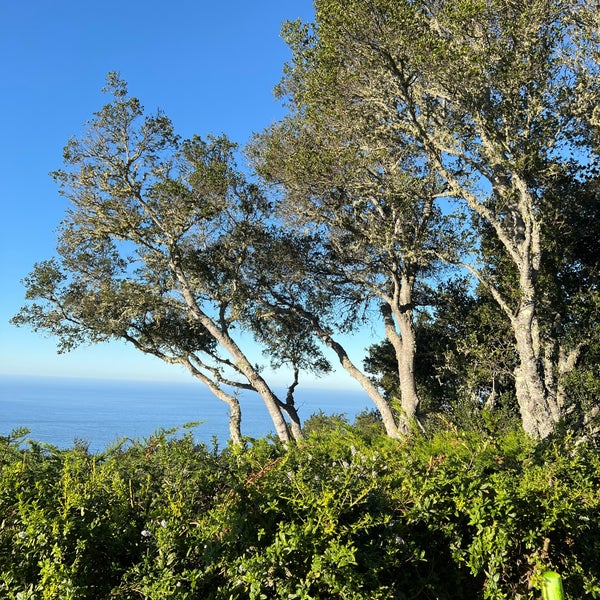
295	424
382	405
271	401
235	411
380	402
290	407
242	364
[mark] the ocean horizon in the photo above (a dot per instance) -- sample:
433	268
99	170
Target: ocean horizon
101	412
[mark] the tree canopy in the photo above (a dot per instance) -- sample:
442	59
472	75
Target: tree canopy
436	174
154	252
495	102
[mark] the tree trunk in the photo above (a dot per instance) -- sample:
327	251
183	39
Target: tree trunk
380	402
406	369
290	407
295	425
235	422
537	416
260	385
243	365
405	347
235	411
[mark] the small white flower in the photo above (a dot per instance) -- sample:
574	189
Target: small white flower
22	535
146	533
163	523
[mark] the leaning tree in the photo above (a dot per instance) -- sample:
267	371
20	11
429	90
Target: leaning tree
370	198
153	252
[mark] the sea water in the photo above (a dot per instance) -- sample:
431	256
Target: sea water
99	413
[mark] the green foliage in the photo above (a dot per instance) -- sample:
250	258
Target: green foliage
75	523
347	514
507	510
396	105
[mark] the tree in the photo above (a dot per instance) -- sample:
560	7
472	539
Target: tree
500	99
369	198
465	358
153	252
294	291
467	353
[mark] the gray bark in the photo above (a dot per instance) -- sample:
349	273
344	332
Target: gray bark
538	416
235	412
382	405
404	344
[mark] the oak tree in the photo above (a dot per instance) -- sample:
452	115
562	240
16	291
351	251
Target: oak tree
498	100
153	251
369	198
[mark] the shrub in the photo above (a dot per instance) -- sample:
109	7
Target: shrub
345	514
506	510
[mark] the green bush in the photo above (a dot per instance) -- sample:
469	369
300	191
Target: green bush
346	514
506	510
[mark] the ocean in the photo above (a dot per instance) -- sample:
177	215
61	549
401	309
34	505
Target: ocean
99	413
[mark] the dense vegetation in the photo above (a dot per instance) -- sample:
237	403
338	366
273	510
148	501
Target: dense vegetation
349	513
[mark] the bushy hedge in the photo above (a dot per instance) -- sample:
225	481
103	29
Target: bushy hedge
346	514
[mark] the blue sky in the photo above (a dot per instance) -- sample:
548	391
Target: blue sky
209	66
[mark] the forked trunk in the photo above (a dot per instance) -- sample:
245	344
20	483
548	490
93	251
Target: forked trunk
295	424
243	365
235	412
290	407
269	398
404	345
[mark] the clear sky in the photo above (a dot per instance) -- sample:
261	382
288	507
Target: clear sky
210	66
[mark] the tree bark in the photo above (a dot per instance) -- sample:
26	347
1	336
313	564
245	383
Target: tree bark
242	363
235	411
290	407
235	423
537	415
260	385
406	368
295	425
380	402
405	346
